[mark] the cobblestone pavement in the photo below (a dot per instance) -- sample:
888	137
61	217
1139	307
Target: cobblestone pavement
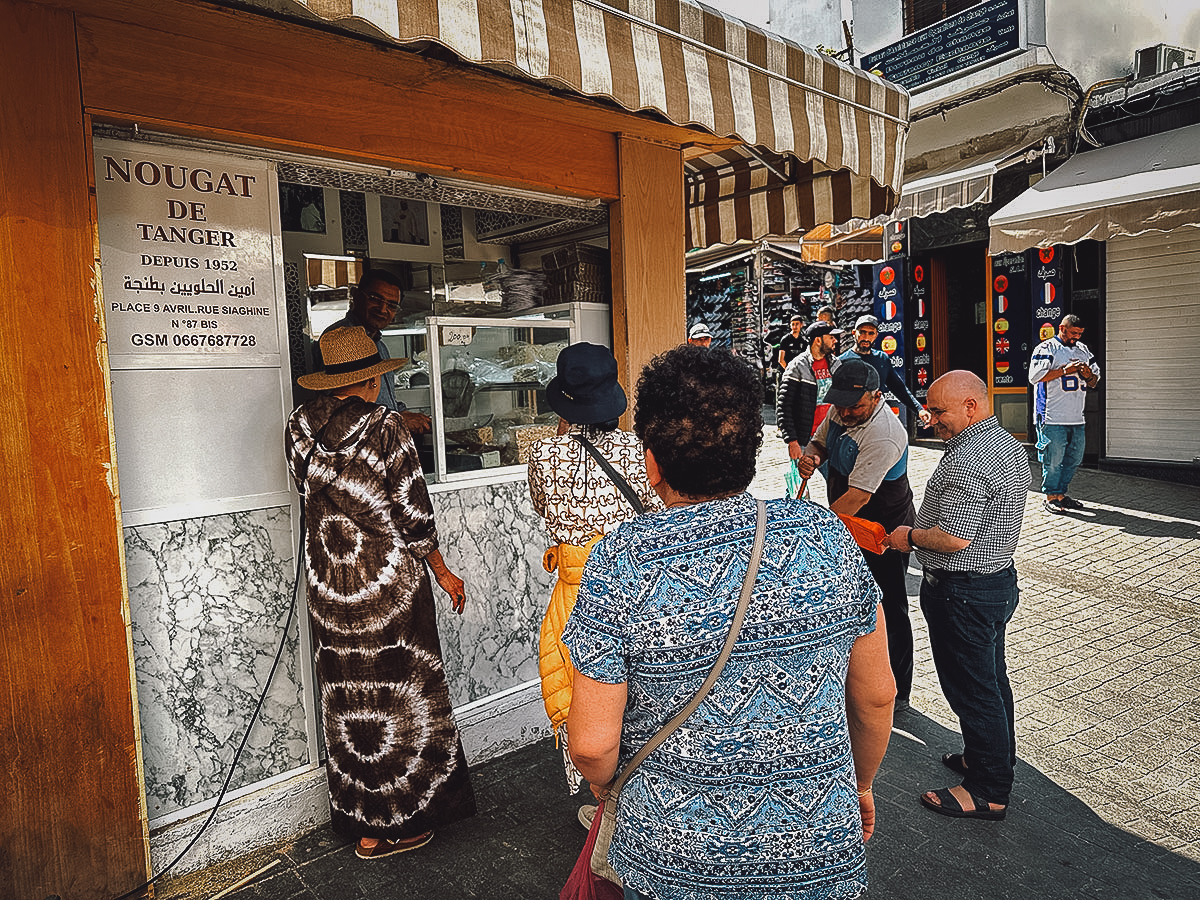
1104	660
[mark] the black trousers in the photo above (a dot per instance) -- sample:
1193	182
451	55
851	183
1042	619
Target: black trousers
889	569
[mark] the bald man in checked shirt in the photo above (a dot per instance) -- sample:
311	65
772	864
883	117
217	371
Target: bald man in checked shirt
965	537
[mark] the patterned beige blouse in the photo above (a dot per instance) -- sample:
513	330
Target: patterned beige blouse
575	496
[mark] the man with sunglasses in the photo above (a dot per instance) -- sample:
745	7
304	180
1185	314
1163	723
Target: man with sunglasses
373	305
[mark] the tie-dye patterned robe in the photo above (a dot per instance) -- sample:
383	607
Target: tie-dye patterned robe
395	763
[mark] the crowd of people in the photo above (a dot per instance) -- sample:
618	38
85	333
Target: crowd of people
765	787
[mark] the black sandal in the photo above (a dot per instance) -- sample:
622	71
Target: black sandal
955	763
981	808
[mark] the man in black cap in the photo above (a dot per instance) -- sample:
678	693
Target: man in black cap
800	406
866	330
867	450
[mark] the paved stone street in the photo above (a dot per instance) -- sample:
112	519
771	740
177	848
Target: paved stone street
1104	654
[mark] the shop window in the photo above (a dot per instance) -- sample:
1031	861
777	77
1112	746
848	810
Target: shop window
920	14
492	287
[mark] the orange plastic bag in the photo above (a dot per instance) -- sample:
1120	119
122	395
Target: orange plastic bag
867	534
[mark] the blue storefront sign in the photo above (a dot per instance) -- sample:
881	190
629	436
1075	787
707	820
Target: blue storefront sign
920	317
1047	300
1010	320
888	288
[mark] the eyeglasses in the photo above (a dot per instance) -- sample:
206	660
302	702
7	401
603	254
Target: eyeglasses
391	305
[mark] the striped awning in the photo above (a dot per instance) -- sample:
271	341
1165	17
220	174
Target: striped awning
821	141
1128	189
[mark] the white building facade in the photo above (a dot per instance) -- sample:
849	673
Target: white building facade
1003	94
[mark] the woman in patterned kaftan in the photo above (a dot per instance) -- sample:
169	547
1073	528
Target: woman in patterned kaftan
765	790
395	763
580	503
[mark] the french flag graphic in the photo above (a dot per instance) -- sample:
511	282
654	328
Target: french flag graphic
920	307
1001	303
889	309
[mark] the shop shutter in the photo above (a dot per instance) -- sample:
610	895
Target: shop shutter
1153	331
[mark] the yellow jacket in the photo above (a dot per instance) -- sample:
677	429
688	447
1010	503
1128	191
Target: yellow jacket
554	661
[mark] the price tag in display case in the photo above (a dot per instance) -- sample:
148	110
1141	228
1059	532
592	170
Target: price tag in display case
456	335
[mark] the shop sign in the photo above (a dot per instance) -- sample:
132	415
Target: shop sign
981	34
888	290
895	239
1009	298
1047	300
186	255
920	371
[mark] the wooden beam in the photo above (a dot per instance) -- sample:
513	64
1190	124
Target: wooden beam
71	822
647	236
247	79
204	70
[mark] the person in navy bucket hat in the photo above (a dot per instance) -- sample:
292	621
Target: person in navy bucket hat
580	501
586	391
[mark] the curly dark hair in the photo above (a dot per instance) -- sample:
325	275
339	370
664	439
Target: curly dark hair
699	411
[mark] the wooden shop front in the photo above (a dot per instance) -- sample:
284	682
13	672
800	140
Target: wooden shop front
684	129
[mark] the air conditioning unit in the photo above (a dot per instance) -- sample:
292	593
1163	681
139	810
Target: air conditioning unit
1161	58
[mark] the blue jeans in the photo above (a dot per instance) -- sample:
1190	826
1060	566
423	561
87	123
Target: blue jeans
1061	456
967	614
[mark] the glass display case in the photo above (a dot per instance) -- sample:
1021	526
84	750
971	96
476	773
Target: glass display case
488	401
410	342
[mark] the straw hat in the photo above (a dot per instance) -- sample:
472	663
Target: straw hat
349	357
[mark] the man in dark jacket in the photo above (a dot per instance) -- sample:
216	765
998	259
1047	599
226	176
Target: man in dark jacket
800	407
793	344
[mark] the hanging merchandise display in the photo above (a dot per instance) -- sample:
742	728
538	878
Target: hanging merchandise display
716	299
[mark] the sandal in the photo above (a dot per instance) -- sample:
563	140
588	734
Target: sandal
955	763
981	808
388	848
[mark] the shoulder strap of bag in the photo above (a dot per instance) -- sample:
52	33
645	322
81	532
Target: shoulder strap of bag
617	478
760	530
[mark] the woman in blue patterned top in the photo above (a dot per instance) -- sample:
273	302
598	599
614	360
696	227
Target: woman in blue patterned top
766	790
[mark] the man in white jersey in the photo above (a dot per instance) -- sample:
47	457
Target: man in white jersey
1061	370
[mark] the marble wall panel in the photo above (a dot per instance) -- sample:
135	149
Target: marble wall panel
492	539
208	599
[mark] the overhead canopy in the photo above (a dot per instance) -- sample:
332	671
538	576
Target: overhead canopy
845	245
822	141
1148	184
959	184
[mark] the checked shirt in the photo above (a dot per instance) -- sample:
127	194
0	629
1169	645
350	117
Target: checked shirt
977	493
